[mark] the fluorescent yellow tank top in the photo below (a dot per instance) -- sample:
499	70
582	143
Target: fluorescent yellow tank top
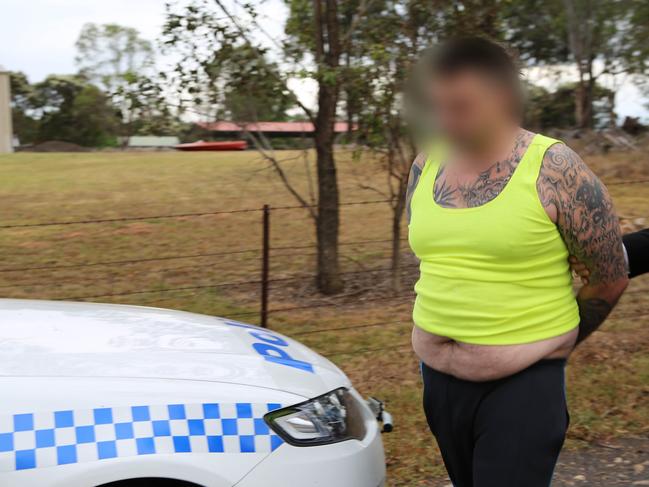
495	274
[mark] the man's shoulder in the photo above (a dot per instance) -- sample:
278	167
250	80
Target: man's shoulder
561	174
560	160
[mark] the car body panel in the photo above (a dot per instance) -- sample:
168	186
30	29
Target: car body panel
106	369
97	340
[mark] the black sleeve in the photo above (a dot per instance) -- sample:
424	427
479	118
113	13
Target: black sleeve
637	248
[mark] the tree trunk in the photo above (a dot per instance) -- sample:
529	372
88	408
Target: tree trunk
612	116
399	198
327	56
584	99
590	95
580	39
580	104
397	218
328	220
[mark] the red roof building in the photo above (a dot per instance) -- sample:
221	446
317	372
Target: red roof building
269	128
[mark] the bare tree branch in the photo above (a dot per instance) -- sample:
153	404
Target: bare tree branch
372	188
264	147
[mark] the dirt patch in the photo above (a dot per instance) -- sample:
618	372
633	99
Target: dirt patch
137	228
54	146
622	462
33	245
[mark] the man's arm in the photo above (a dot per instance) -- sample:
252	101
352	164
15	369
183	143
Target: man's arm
413	178
636	250
590	229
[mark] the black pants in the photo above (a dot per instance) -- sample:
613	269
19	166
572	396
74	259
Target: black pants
502	433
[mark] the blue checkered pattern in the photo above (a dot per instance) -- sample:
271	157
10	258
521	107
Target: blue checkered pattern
45	439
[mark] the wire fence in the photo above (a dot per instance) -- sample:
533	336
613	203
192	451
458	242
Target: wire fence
30	277
38	277
178	215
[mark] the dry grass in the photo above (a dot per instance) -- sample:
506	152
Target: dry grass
607	379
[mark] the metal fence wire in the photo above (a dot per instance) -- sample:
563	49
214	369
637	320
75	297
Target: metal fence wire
264	254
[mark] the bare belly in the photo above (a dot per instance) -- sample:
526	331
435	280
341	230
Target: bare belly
486	362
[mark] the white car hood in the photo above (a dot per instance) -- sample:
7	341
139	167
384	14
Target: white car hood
63	339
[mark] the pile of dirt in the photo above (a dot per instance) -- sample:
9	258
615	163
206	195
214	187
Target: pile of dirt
54	146
597	141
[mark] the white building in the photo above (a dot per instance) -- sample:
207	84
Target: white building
152	142
6	130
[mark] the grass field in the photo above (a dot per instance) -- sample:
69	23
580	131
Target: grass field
608	377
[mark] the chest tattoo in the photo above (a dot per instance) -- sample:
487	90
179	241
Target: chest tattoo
453	192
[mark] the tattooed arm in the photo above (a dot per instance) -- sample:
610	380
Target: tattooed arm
413	178
581	207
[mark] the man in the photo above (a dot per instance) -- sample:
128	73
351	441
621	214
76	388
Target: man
494	211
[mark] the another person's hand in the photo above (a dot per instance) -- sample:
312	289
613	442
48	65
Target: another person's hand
579	269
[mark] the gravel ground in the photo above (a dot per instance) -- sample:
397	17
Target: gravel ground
617	463
622	462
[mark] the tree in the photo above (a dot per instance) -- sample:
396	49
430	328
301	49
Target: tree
600	37
323	40
150	112
71	109
587	25
208	33
109	52
22	109
252	90
556	109
119	61
95	120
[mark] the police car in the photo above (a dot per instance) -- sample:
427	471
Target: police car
96	394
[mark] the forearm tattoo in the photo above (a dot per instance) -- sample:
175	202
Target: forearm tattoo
588	225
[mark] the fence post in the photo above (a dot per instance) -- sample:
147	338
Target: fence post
265	263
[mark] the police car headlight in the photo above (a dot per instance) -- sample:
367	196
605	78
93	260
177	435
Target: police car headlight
330	418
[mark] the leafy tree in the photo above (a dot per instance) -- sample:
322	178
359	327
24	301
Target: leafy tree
147	105
599	37
556	109
230	78
71	109
320	33
108	53
95	119
119	61
636	38
253	90
24	124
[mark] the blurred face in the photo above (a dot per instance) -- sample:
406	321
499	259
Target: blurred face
469	106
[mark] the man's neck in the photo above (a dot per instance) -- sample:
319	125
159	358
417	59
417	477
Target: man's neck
497	145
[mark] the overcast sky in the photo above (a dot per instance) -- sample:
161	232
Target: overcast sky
38	36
